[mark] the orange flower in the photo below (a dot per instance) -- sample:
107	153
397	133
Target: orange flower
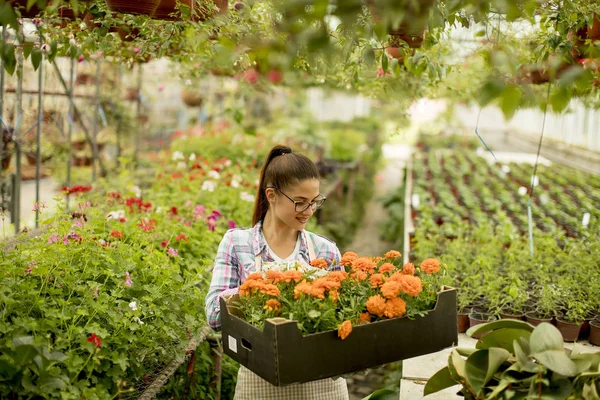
325	283
345	329
270	290
254	275
359	276
251	285
364	264
386	267
275	276
395	307
376	305
408	269
334	295
272	305
292	275
348	257
430	265
411	285
302	288
390	289
337	276
395	276
392	254
319	263
318	292
376	280
364	318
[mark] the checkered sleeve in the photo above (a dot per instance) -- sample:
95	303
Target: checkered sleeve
225	279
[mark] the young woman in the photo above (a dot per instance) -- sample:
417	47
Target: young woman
288	195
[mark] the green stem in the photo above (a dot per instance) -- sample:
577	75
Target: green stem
82	368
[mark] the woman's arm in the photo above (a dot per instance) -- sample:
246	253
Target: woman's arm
225	279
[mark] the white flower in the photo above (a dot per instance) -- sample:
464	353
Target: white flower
177	155
228	163
247	197
544	199
138	192
214	174
181	165
116	215
235	183
522	190
133	305
535	180
505	169
208	185
138	320
192	157
159	210
102	242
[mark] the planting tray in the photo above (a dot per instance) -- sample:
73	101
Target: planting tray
282	356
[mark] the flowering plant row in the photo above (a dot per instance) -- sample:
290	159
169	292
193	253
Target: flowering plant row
368	289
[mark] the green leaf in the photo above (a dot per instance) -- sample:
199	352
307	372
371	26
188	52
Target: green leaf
560	99
510	100
314	314
439	381
500	324
465	352
384	62
8	17
490	91
8	56
522	358
545	337
383	394
557	361
50	384
589	391
27	48
482	365
502	338
22	341
568	77
36	58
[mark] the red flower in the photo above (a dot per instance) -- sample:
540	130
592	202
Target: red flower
116	234
181	237
95	339
164	243
174	210
146	225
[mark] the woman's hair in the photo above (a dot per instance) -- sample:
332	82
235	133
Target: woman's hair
281	169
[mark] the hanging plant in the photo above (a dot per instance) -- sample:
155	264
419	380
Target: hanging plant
191	97
144	7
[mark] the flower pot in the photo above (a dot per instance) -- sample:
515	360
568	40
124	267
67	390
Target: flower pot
167	10
535	319
396	53
31	158
518	316
477	318
22	6
463	320
595	332
191	97
568	330
131	94
145	7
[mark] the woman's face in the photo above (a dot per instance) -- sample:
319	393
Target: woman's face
284	209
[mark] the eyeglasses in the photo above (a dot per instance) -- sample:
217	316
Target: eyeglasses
301	206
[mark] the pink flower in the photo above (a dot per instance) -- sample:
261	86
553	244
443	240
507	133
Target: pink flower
380	72
188	203
32	263
81	58
216	214
79	223
95	339
128	280
161	87
136	50
53	238
199	211
65	240
39	206
211	222
172	252
231	224
29	270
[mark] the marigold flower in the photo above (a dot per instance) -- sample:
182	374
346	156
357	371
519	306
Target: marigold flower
411	285
337	276
326	283
275	276
395	276
347	258
251	285
319	263
376	305
270	290
395	307
386	268
302	288
430	265
254	276
364	318
392	254
391	289
272	305
334	295
376	280
318	292
345	329
364	264
292	275
408	269
359	276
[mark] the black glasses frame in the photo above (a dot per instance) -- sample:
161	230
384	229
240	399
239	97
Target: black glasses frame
315	204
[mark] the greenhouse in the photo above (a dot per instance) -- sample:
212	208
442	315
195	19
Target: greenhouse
300	199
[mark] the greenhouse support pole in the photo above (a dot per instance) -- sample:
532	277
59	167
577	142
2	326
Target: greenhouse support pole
38	155
17	180
70	116
119	125
2	99
95	122
138	112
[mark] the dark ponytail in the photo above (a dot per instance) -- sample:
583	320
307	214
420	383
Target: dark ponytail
282	168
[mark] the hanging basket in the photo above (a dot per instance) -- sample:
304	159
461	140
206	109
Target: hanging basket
21	5
167	9
413	38
593	32
220	4
191	97
144	7
131	94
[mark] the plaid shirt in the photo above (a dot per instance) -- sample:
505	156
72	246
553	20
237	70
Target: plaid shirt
235	260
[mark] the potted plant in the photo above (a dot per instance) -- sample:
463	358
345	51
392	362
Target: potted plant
546	307
595	331
570	322
144	7
191	97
